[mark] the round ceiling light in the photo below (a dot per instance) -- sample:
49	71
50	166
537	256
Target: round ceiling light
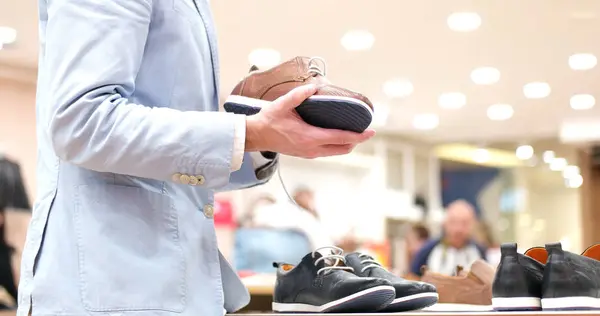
524	152
426	121
548	156
582	102
264	57
398	88
582	61
536	90
500	112
558	164
464	21
570	171
481	155
452	100
485	75
357	40
8	35
574	181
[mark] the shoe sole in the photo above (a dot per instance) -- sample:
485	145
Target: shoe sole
331	112
369	300
412	302
453	307
571	303
516	303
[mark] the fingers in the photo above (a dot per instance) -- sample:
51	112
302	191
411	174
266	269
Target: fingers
293	98
339	137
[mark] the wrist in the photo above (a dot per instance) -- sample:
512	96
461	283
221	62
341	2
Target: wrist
254	128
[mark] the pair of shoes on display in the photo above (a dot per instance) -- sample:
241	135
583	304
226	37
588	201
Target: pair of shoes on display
466	291
354	283
547	278
331	107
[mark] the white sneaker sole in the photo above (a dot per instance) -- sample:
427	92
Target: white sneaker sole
384	291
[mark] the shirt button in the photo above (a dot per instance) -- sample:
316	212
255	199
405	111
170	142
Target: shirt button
184	179
209	211
175	177
201	180
193	180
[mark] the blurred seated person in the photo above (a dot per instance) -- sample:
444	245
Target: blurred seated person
484	236
416	238
455	247
247	220
300	215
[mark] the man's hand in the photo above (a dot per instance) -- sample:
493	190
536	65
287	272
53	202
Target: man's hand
279	128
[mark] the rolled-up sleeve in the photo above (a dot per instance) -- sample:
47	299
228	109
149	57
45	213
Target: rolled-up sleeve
93	51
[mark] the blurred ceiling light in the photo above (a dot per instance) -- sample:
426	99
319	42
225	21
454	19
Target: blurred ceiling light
426	121
8	35
357	40
464	153
464	21
570	171
481	155
398	88
264	57
582	61
558	164
524	152
485	75
380	114
582	102
452	100
536	90
500	112
574	181
548	156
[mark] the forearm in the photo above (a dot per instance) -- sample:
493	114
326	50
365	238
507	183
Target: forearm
92	54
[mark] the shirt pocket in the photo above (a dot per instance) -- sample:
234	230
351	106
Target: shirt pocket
130	257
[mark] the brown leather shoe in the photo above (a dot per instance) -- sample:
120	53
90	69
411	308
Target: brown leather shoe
466	291
331	107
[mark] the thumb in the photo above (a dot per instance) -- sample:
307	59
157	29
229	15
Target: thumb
293	98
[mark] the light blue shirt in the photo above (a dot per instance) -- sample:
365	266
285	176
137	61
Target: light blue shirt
131	149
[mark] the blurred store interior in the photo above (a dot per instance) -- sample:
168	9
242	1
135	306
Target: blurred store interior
489	103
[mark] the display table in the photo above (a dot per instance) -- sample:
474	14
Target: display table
449	314
261	287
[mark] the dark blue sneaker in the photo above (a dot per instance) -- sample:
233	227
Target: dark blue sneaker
410	295
323	284
571	281
518	281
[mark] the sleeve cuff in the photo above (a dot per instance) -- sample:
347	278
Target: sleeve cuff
239	143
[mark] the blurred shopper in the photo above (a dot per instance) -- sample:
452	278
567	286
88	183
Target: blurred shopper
247	220
416	238
484	236
300	215
456	247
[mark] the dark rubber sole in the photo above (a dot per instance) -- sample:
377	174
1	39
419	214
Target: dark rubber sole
330	114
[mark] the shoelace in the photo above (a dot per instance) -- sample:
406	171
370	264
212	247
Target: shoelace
313	68
369	261
337	254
